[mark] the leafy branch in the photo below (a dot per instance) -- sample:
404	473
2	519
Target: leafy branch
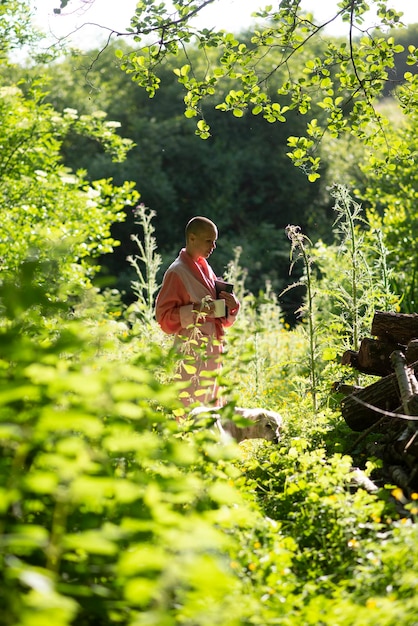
342	72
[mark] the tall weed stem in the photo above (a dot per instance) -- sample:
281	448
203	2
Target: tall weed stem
348	213
146	263
299	250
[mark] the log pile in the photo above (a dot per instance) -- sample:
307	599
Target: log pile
388	406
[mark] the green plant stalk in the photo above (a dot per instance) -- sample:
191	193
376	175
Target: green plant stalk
58	530
347	219
354	275
311	326
300	241
384	270
147	285
257	364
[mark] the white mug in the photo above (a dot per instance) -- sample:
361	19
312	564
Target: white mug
219	308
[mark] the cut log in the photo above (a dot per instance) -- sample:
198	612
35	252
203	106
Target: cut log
383	394
411	352
396	327
350	357
402	375
408	386
373	356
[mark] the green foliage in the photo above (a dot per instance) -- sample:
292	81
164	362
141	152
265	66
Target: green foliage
110	512
45	204
343	78
16	27
298	484
105	512
391	208
113	513
335	539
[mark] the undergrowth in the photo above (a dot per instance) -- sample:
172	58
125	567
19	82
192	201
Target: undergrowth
111	512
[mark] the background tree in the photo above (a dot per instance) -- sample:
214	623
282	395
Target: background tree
241	175
346	77
326	89
391	199
48	210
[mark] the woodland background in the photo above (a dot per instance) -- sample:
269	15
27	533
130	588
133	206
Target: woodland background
241	176
111	511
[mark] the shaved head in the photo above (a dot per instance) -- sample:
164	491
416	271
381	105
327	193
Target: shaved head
199	224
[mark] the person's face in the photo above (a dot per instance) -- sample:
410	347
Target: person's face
203	243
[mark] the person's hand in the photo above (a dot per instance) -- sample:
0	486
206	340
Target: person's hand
231	300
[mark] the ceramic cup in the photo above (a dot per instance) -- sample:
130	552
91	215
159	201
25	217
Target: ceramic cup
219	308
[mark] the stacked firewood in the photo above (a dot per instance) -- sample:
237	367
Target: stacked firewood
388	406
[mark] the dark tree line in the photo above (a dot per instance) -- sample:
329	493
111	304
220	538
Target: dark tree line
240	177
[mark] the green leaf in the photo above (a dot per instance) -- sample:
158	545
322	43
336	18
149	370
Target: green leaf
90	542
329	354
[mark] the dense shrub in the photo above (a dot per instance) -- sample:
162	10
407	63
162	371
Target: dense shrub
112	513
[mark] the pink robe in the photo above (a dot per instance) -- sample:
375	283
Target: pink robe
185	284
